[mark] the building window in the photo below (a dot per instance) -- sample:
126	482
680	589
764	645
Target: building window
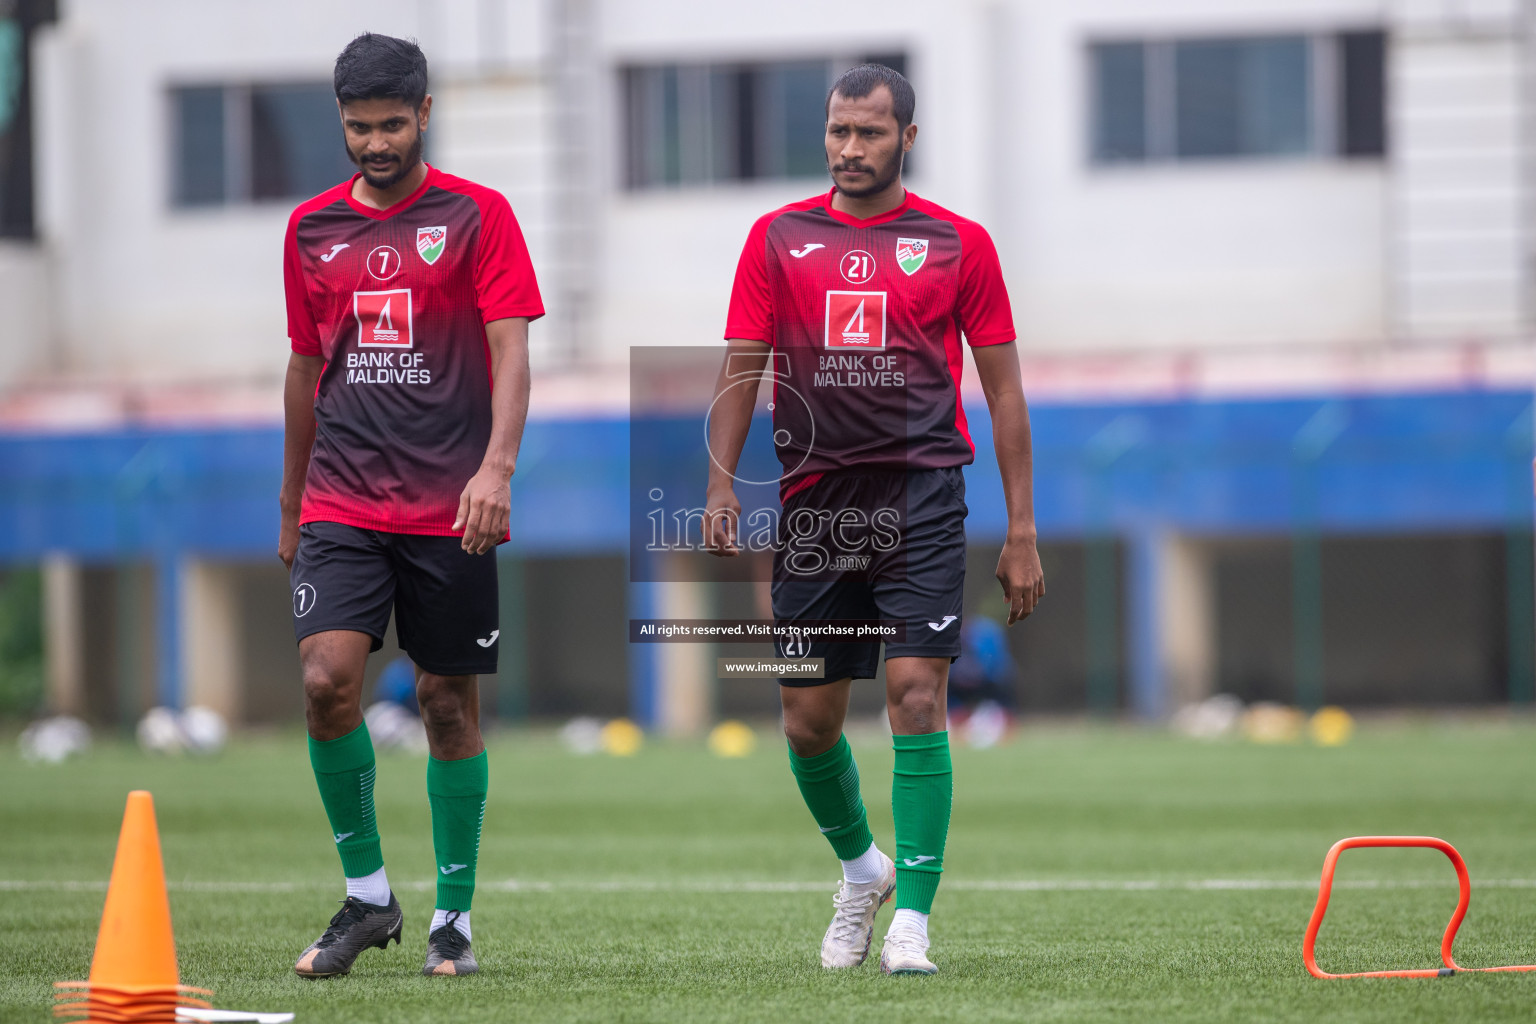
1363	92
699	124
1242	97
1239	98
252	143
20	20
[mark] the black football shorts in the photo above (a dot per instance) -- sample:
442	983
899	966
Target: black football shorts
906	566
443	599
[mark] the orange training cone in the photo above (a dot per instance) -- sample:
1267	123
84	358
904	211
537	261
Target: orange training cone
133	973
135	948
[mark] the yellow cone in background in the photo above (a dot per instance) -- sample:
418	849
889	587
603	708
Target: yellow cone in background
1331	727
732	739
622	738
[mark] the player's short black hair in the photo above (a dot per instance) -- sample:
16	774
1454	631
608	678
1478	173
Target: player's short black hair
856	83
375	66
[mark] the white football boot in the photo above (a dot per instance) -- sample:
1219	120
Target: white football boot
846	943
905	952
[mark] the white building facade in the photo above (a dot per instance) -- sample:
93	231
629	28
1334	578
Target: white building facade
1255	237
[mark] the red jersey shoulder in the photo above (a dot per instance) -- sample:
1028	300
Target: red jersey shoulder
505	282
334	194
986	315
484	196
815	202
453	183
762	224
750	316
970	231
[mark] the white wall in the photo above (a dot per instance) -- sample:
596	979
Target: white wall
149	292
1133	258
1183	255
1461	233
1151	259
27	348
669	256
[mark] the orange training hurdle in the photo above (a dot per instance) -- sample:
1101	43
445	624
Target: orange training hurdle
1325	889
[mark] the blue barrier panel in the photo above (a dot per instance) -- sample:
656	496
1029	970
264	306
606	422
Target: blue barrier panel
141	494
1424	462
1420	462
1378	463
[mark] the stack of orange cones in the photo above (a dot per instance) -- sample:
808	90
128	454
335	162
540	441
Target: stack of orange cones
134	979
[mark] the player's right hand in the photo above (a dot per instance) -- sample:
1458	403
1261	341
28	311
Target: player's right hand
722	515
1023	580
288	538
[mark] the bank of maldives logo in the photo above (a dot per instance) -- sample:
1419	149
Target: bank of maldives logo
911	254
430	243
383	318
855	320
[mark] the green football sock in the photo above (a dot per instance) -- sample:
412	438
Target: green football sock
922	786
456	790
829	782
344	771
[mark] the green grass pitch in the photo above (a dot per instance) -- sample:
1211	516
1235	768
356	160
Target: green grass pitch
1092	874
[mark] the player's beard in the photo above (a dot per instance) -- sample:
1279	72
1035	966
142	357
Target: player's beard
389	180
882	179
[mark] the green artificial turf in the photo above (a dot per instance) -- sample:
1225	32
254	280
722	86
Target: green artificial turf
662	887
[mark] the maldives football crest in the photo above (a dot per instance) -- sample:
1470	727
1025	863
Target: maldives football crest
430	243
911	254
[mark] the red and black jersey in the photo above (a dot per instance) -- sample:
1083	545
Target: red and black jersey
865	318
397	301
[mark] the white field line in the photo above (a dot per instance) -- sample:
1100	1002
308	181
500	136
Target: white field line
639	885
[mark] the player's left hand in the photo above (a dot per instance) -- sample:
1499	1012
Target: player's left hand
485	508
1018	570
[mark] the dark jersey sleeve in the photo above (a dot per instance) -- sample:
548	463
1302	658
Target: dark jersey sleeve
751	314
505	284
986	316
303	333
